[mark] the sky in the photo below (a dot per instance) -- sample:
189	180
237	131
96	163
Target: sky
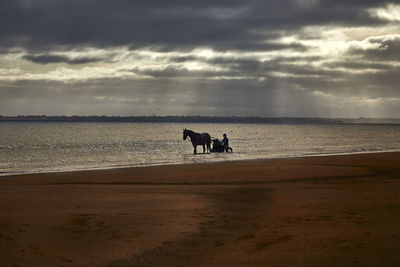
286	58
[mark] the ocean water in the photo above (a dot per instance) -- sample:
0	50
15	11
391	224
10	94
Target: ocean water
31	147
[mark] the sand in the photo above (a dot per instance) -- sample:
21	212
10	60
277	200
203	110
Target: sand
314	211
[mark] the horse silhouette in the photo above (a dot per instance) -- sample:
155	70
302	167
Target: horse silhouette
197	139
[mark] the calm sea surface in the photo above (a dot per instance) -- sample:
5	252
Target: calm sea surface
29	147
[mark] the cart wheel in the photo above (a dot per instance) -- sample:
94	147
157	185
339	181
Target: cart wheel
229	150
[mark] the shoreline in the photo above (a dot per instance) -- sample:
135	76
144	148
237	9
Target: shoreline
338	210
102	168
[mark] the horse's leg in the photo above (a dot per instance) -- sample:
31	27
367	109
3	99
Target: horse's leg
204	148
209	146
194	151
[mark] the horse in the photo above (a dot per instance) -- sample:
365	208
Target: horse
198	139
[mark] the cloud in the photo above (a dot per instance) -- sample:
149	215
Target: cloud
383	48
47	59
272	58
243	25
390	12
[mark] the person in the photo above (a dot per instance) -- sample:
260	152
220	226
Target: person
225	143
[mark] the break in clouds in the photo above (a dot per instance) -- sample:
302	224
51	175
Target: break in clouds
302	58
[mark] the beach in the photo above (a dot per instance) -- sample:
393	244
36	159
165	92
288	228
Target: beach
341	210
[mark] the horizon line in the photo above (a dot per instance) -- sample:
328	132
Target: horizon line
194	116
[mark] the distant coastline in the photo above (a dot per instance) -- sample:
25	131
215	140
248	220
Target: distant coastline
200	119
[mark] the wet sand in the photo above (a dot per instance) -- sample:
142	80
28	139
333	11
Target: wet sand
315	211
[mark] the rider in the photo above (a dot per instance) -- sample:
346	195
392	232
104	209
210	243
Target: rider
225	142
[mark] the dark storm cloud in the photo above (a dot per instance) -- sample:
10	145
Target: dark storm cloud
39	24
171	72
382	48
47	59
240	68
174	56
342	77
354	65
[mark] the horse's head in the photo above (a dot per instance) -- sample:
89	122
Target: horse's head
185	134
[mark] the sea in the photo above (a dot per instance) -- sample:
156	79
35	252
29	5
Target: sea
36	147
